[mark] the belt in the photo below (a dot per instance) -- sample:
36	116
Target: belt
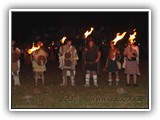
132	59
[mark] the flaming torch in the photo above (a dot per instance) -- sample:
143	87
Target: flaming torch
87	33
132	37
119	37
33	48
63	39
52	43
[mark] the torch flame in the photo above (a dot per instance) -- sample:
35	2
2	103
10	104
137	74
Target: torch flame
119	37
41	44
132	37
52	43
63	39
87	33
33	49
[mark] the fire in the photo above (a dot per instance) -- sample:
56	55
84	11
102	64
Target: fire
132	37
119	37
33	49
63	39
87	33
41	44
52	43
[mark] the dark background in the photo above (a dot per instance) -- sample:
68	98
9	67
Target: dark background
117	21
27	24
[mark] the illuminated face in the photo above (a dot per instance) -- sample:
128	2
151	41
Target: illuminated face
91	44
69	43
111	45
129	44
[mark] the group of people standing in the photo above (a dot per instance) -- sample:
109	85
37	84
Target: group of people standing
68	58
91	56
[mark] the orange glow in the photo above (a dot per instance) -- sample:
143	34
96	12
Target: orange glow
33	49
132	37
41	44
87	33
119	37
63	39
52	43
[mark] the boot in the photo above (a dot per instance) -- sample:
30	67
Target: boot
110	83
87	80
72	81
64	81
16	80
117	82
95	80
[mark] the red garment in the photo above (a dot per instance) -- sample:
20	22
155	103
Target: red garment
52	57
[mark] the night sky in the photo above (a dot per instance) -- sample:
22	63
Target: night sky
24	22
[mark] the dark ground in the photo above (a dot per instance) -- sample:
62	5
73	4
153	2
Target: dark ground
53	96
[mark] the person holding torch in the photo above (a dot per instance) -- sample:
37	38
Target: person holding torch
131	53
111	64
39	60
92	57
131	63
67	62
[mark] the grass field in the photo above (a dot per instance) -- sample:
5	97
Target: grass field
53	96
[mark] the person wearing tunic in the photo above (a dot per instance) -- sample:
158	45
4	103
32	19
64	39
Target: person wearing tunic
67	62
137	58
131	64
15	64
111	64
39	60
92	57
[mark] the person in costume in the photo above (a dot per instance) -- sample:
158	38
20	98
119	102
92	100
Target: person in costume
111	64
131	68
39	60
15	63
91	59
67	62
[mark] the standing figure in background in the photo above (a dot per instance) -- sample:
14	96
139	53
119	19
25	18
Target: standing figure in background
111	64
67	62
52	55
26	55
131	63
39	60
92	57
15	64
